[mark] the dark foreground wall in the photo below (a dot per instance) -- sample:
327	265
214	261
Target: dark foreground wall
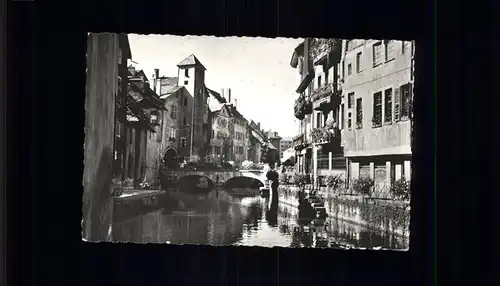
102	77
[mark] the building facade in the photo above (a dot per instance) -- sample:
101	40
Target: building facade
274	146
257	141
186	125
136	127
230	135
317	108
107	56
285	144
377	109
191	76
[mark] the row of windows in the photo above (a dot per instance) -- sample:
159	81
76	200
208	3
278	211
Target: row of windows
240	150
219	135
218	150
382	51
239	136
387	107
240	123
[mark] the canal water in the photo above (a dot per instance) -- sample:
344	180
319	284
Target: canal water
241	217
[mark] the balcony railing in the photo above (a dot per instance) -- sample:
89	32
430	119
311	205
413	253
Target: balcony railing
300	142
320	47
325	135
328	90
302	107
298	138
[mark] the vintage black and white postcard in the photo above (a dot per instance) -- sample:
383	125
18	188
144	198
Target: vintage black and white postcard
248	141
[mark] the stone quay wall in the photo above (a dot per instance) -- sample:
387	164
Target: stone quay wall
384	215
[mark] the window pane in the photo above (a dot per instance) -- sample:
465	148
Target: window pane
390	53
358	62
359	113
377	109
350	99
405	101
377	54
388	105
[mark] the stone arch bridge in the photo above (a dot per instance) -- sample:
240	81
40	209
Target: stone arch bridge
220	177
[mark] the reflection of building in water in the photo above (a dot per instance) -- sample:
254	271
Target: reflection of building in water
360	236
128	231
187	228
287	216
148	228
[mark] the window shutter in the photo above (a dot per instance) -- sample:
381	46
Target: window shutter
397	104
410	100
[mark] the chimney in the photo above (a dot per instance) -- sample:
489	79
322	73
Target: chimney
222	93
155	77
258	125
228	92
236	102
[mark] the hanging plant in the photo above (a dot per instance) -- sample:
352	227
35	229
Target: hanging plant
401	189
376	120
363	185
317	135
330	123
334	181
325	134
302	107
320	46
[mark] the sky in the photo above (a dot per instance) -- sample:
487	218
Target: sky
257	70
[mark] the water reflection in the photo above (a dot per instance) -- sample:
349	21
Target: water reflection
242	217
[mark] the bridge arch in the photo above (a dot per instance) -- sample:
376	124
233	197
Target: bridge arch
256	175
244	181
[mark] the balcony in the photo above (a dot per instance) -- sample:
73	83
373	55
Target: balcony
302	107
300	142
325	135
325	48
331	90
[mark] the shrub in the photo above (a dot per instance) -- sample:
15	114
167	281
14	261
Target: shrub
226	165
285	178
237	166
363	185
401	189
334	181
299	179
247	165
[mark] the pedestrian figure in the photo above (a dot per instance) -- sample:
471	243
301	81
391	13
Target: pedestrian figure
217	179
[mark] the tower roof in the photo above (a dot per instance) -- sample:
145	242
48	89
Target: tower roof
191	60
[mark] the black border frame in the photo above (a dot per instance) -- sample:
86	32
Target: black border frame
53	240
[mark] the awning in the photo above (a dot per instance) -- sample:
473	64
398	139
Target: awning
305	82
325	106
290	158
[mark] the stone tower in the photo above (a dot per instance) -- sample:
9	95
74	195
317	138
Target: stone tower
191	75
